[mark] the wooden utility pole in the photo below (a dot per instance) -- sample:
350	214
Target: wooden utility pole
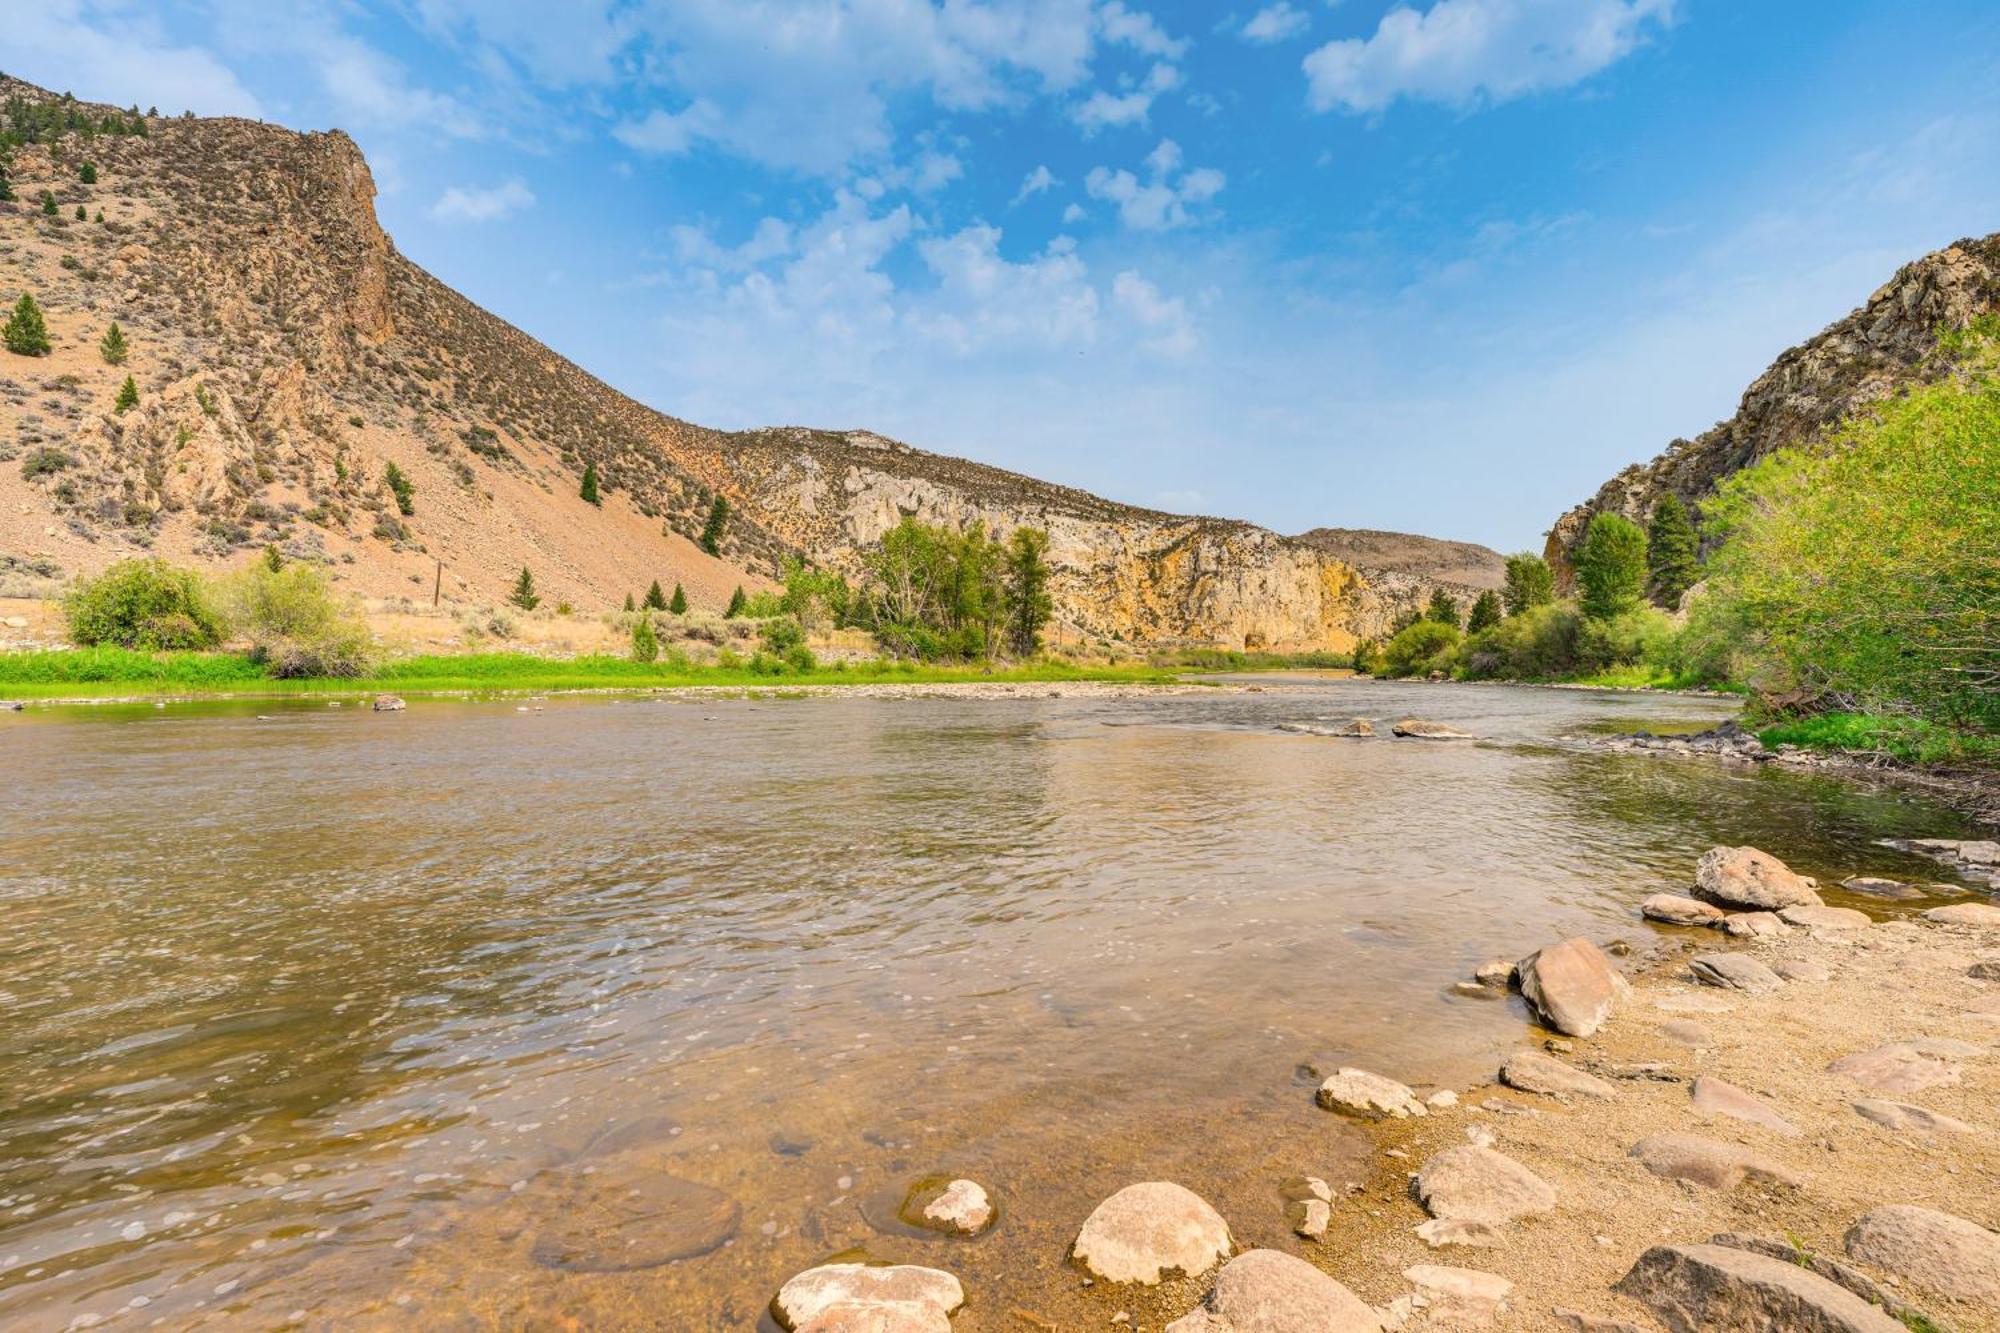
437	587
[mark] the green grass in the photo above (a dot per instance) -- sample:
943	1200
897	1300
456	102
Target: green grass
1911	740
88	673
1224	659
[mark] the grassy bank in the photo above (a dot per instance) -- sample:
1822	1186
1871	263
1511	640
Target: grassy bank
1904	739
109	673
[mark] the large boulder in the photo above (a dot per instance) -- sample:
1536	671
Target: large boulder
1713	1289
1746	877
1357	1092
1531	1071
1937	1251
1145	1230
1674	909
1572	985
1266	1291
865	1298
1707	1162
1734	971
1480	1185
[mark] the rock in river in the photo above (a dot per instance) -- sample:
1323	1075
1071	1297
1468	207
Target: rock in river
1572	985
1746	877
1734	971
620	1215
863	1298
1145	1230
1676	910
1712	1289
1417	728
1357	1092
389	703
961	1208
1266	1291
1481	1185
1933	1250
1754	925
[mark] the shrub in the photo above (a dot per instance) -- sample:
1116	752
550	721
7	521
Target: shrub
26	333
736	601
781	635
44	462
1530	583
297	624
589	490
1367	657
399	485
112	346
1424	647
1443	608
87	173
718	520
146	604
1611	566
645	641
128	397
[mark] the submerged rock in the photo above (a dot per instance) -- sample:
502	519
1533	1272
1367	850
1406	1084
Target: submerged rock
1477	1184
1357	1092
1747	877
1711	1288
1937	1251
1416	728
1266	1291
389	703
1894	890
961	1208
864	1298
1572	985
620	1216
1145	1230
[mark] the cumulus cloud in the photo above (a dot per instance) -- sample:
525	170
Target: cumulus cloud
1167	329
113	54
469	203
1102	110
1276	23
1038	181
1138	30
1466	52
1169	197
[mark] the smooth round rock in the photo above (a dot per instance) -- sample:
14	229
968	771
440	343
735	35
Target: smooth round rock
1481	1185
1938	1251
1572	986
1811	917
1984	915
1531	1071
894	1298
1146	1230
961	1208
1416	728
1707	1162
1749	878
1357	1092
1674	909
1907	1119
622	1216
1267	1291
1734	971
1900	1066
1712	1096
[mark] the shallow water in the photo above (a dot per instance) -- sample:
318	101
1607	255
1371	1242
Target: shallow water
375	1020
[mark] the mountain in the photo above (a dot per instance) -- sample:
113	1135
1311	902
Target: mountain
1886	345
286	357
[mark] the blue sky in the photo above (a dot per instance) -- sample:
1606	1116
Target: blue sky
1442	266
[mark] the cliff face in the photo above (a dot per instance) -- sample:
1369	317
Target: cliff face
1872	353
287	356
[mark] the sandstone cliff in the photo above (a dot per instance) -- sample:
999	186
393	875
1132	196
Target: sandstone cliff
1886	344
287	356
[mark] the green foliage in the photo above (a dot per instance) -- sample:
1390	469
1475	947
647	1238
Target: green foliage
1611	566
1909	739
274	559
297	624
678	603
44	462
524	594
628	602
400	486
718	521
934	593
82	213
145	604
819	599
6	187
87	173
1671	552
26	333
1029	605
1367	657
1424	647
645	640
656	600
1485	612
1442	608
112	346
1530	583
736	600
128	397
48	203
1863	572
1555	641
589	490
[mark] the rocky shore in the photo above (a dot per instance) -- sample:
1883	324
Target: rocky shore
1782	1119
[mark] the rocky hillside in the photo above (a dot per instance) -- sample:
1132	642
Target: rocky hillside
1888	343
287	358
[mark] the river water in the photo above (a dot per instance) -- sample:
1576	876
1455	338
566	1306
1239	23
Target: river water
622	1011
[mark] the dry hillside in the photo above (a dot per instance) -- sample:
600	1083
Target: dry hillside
286	356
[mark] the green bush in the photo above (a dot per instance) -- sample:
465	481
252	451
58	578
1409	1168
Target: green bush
645	640
1420	649
145	604
1530	583
297	624
1611	566
1555	641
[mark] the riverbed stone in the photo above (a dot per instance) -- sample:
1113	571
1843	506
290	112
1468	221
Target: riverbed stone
1734	971
1495	972
1899	1066
389	703
1268	1291
868	1298
1984	915
1809	916
1937	1251
619	1216
1572	985
1833	1270
1675	909
1754	925
1146	1230
1713	1096
1458	1297
1310	1217
1367	1096
1801	969
1747	877
1892	890
1907	1119
1480	1185
1439	1232
1531	1071
1417	728
1687	1032
1715	1289
1579	1322
961	1208
1707	1162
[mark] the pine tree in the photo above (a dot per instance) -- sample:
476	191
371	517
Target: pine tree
524	595
628	602
1671	551
589	491
87	173
1530	583
1485	612
82	213
26	333
48	203
655	599
645	643
112	346
399	485
678	603
711	533
6	188
128	397
1443	608
1611	566
274	559
736	603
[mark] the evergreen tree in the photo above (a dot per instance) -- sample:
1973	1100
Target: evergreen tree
82	213
1530	583
274	559
736	602
1027	601
655	599
628	602
100	215
645	642
6	188
399	485
128	397
711	533
678	603
48	203
25	333
1611	566
589	491
1443	608
112	346
1485	612
1670	551
524	595
87	173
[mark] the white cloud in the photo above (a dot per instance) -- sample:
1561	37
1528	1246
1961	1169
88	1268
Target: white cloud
1466	52
110	53
1276	23
1139	31
1039	180
671	133
1168	330
1105	109
1166	199
1075	213
469	203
